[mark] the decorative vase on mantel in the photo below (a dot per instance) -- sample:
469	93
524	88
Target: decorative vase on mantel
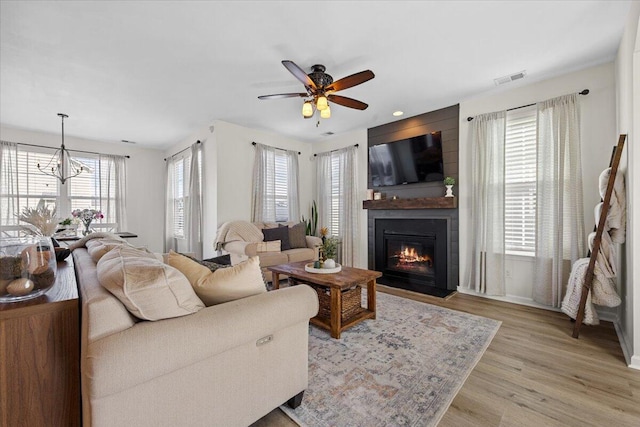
449	191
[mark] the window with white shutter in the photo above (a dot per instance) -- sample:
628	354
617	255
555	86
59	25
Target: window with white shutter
520	181
94	188
34	188
181	193
336	196
281	186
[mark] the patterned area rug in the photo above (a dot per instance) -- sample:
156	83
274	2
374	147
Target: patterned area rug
402	369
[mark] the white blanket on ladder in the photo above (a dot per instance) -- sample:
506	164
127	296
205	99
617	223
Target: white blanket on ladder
571	301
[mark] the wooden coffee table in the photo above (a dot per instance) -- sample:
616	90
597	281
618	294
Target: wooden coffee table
339	285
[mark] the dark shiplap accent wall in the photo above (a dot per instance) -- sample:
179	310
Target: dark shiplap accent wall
446	121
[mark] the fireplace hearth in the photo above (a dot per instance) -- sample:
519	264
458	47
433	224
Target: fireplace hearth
412	254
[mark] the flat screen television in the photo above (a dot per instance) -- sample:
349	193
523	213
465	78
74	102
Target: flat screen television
417	159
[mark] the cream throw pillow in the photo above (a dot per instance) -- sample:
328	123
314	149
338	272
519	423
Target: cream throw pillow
149	289
223	285
271	246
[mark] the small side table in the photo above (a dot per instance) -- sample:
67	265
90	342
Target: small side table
40	356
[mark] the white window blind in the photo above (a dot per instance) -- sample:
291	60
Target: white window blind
281	186
336	196
34	187
94	187
520	181
180	184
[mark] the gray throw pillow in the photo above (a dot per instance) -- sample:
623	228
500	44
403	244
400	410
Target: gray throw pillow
280	233
297	237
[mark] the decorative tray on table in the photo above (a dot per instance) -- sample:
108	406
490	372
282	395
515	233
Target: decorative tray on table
311	269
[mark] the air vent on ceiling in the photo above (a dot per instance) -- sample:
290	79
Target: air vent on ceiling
126	141
510	78
327	133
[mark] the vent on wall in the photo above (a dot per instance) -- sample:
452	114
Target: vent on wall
510	78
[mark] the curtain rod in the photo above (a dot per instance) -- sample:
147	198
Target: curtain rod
337	149
184	149
67	149
584	92
276	148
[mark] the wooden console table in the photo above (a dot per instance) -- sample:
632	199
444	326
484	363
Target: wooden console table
40	356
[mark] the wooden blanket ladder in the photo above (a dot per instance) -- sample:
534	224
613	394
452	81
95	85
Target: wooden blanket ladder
588	277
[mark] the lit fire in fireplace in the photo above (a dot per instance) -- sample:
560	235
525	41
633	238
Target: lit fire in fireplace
408	256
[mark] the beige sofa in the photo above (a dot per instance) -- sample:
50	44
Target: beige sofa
226	365
234	242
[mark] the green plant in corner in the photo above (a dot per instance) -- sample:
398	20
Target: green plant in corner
312	223
449	181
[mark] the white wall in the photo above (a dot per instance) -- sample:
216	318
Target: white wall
598	132
145	206
628	106
340	141
228	169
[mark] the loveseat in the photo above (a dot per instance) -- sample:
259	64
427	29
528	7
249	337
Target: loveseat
224	365
249	239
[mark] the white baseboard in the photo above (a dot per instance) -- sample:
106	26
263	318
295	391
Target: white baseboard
635	362
626	348
514	299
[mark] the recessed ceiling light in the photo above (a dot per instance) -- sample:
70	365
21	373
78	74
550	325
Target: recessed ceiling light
398	113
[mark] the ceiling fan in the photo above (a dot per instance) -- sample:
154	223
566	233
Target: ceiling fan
321	88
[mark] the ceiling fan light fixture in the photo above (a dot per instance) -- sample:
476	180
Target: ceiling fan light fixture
326	113
321	103
307	109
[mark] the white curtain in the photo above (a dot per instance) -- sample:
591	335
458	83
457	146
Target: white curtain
293	177
116	193
486	274
193	207
559	219
337	195
268	178
8	183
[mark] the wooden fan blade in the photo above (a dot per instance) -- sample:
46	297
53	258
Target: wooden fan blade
299	74
350	81
347	102
283	95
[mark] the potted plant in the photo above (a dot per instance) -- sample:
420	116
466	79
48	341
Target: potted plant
449	183
330	250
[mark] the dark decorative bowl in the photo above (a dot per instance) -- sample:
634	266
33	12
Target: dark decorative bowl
62	254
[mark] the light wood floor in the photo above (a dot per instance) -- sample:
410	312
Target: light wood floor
534	373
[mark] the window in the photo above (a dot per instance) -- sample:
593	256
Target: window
181	192
336	197
94	187
34	188
275	185
520	182
281	186
97	187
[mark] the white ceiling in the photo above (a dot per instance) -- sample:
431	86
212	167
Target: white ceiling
154	72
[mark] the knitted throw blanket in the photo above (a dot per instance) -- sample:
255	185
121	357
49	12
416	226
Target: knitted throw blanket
237	231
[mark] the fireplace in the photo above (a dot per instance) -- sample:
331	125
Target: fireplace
412	254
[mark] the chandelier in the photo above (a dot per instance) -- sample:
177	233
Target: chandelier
57	165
